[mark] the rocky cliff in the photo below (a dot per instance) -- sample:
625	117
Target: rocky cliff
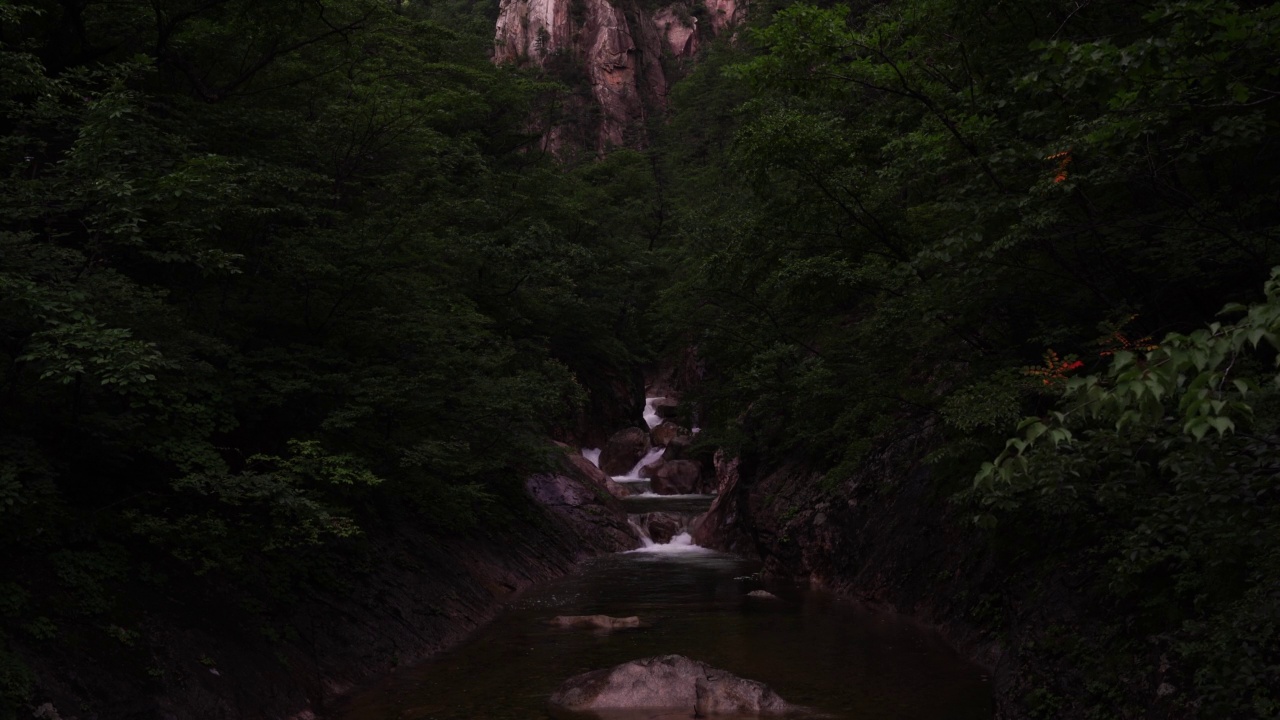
621	53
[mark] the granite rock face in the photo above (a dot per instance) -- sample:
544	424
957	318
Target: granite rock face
619	48
677	477
624	450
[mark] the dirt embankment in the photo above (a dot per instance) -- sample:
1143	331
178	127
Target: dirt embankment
406	594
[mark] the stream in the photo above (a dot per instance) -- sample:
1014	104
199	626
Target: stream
831	656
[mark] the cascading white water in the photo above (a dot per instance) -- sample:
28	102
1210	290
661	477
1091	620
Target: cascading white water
644	500
648	459
651	415
681	544
692	601
640	532
695	496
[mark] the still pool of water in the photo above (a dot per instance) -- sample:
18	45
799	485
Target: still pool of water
834	657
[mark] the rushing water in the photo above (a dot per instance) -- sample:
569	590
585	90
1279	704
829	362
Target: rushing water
833	657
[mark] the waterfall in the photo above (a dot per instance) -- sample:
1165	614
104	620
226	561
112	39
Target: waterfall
681	544
668	517
650	414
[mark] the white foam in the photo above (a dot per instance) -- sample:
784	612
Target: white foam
681	544
651	415
693	496
592	454
634	473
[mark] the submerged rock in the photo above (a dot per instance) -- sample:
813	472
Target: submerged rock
667	682
762	594
600	622
624	450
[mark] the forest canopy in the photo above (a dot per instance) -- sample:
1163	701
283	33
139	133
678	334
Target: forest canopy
275	274
917	222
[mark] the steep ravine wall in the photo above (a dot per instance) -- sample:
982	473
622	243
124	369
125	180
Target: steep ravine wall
619	47
884	536
893	535
407	594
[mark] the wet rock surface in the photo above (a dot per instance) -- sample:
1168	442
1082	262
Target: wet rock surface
592	515
662	526
677	448
678	477
577	465
667	682
663	434
624	450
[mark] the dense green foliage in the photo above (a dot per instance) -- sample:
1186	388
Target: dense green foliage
274	273
269	272
918	219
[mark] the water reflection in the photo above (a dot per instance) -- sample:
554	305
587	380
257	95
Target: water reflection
834	657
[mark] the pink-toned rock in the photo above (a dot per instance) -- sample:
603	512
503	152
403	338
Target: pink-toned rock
679	28
724	13
662	526
667	682
598	622
721	527
622	62
624	450
584	468
665	432
597	519
649	470
678	477
726	472
621	74
677	448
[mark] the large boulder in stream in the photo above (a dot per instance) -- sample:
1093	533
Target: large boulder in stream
624	450
671	682
661	526
577	465
677	448
648	470
678	477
